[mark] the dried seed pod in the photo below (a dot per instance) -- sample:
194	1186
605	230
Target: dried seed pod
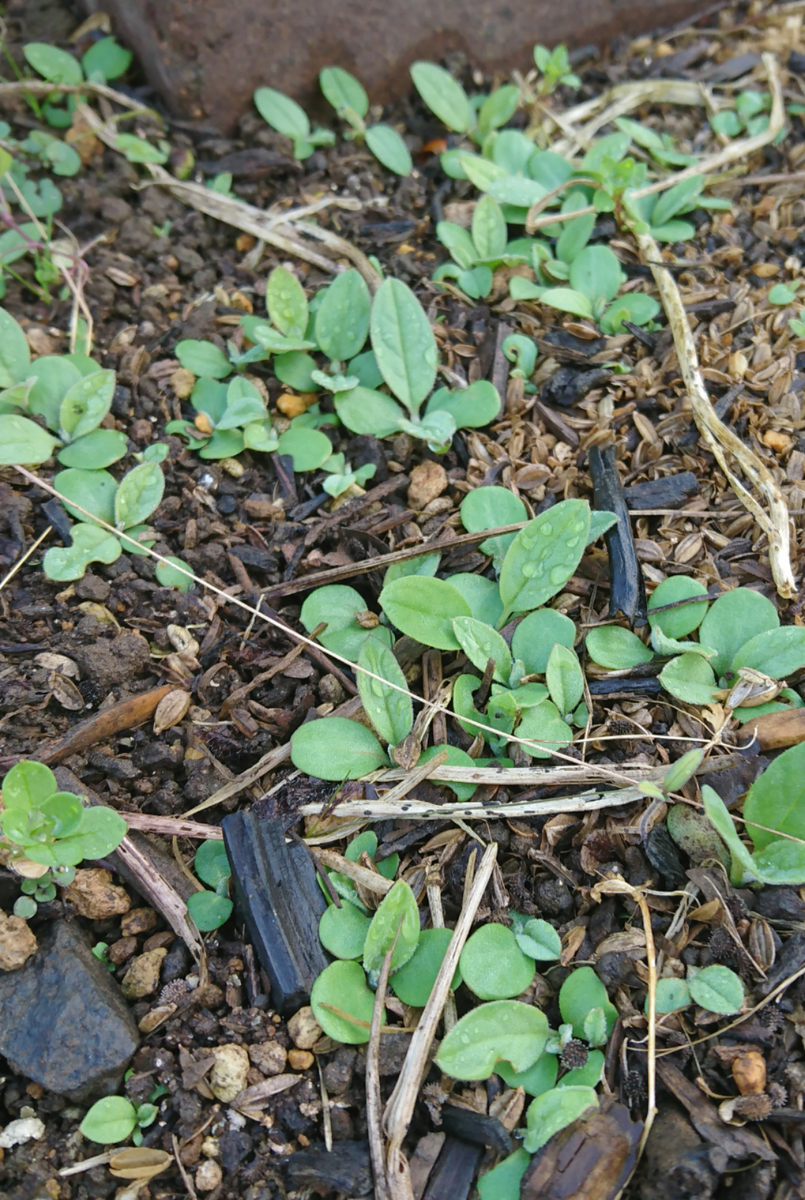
755	1107
760	944
749	1073
575	1054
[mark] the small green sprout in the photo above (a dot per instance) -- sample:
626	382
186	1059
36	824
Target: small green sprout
43	825
115	1119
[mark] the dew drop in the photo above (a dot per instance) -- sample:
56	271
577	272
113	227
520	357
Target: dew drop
571	542
546	529
558	575
528	542
529	570
465	1039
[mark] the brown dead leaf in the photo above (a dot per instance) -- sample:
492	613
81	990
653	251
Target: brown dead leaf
83	140
572	944
171	710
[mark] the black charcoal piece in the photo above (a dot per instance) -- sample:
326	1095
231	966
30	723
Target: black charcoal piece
279	898
627	593
456	1166
477	1128
668	492
568	386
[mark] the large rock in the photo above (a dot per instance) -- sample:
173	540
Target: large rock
206	58
63	1021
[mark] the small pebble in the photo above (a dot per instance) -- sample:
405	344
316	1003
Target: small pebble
300	1060
209	1176
303	1029
142	977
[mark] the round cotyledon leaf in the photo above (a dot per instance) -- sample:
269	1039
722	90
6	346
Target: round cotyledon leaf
676	622
502	1031
493	966
537	634
413	982
343	931
341	993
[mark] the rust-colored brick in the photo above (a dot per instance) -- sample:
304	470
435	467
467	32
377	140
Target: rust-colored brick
206	57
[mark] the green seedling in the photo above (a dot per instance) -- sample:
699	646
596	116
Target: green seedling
716	989
126	506
43	825
211	909
115	1119
70	395
554	70
783	294
101	951
723	662
797	324
351	102
773	814
750	115
478	251
464	613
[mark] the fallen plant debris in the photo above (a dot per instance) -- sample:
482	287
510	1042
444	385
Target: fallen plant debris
423	499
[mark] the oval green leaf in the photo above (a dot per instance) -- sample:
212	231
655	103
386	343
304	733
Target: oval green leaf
403	342
342	319
493	966
718	989
544	555
424	609
503	1031
341	989
677	622
390	711
336	749
616	648
139	494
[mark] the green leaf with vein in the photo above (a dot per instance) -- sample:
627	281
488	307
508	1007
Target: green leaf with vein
342	986
689	678
480	643
544	555
424	609
335	748
777	652
90	544
403	342
342	318
555	1110
86	403
502	1031
777	799
286	303
544	726
728	621
537	634
140	492
444	95
390	711
93	490
15	355
23	442
565	678
616	648
397	916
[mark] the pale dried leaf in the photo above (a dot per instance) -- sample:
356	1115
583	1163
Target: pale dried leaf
171	709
